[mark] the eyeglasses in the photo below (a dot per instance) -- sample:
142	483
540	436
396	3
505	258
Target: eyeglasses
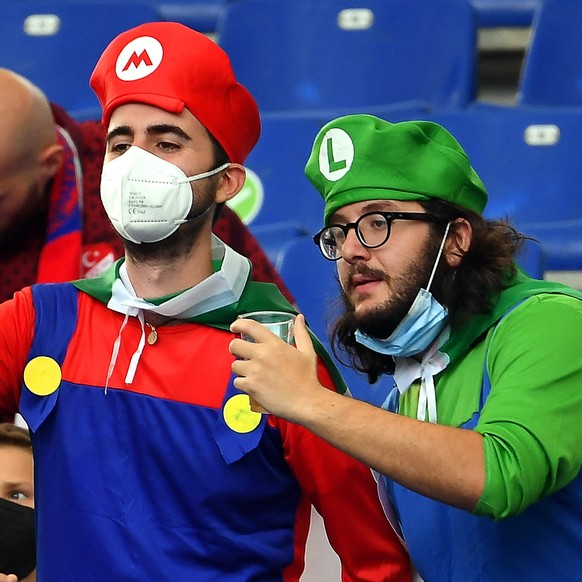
372	230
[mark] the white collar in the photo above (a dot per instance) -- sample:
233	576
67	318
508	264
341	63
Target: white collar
407	370
222	288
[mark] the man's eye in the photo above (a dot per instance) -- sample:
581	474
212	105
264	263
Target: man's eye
378	224
168	146
120	148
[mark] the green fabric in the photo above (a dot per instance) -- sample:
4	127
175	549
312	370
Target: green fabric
519	289
361	157
531	422
534	363
255	297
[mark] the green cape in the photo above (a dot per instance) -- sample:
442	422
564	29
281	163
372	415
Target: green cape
255	297
520	288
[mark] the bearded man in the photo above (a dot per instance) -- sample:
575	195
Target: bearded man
479	448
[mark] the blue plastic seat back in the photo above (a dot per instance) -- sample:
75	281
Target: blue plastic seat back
552	72
505	13
300	55
201	15
279	160
282	203
529	162
57	44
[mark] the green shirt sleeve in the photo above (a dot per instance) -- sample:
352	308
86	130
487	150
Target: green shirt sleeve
532	420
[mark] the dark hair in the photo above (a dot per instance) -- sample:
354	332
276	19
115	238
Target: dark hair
486	267
15	436
469	289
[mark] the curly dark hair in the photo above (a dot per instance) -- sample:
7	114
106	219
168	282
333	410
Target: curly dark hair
469	289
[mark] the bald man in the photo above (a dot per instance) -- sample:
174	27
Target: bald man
29	155
52	223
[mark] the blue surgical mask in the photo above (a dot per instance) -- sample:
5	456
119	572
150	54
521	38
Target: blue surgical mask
424	321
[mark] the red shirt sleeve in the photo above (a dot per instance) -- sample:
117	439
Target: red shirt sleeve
344	492
16	334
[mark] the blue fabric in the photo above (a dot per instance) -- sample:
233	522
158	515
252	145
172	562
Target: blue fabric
117	502
56	310
233	446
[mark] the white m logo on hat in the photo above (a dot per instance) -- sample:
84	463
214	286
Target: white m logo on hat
139	58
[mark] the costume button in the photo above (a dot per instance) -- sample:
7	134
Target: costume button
42	375
238	414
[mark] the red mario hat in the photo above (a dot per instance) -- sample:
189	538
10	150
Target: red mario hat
171	66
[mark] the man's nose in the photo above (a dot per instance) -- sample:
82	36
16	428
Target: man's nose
353	250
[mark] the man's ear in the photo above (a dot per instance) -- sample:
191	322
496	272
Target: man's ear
230	183
50	160
459	241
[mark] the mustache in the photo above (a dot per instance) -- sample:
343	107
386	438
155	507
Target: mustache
365	271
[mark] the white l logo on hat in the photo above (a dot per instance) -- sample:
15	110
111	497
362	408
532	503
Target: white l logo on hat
139	58
336	154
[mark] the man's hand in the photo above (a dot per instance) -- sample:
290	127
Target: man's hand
280	377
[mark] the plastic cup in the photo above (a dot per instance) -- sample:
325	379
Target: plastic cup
278	322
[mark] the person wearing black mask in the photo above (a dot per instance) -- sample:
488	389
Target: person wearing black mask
17	542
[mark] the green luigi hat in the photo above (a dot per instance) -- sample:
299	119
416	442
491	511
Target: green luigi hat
361	157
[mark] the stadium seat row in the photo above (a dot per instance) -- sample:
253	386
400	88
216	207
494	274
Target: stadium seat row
526	156
303	56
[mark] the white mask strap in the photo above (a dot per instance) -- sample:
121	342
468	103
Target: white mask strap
438	258
206	174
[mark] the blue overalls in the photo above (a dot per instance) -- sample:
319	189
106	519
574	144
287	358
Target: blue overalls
131	487
542	544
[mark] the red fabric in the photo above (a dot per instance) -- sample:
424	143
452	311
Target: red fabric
355	524
101	244
17	318
60	259
171	66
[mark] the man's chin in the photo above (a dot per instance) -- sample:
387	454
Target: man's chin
366	298
363	307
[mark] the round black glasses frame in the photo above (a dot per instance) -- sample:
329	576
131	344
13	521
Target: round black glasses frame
320	239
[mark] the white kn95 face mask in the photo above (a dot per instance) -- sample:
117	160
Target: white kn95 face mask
147	198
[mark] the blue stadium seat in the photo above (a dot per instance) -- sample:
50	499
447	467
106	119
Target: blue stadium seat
279	160
508	13
201	15
529	159
56	44
334	54
289	206
552	72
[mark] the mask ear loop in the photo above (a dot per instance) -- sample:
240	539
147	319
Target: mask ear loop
205	174
438	257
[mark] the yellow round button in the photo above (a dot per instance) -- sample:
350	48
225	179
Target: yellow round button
42	375
238	414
